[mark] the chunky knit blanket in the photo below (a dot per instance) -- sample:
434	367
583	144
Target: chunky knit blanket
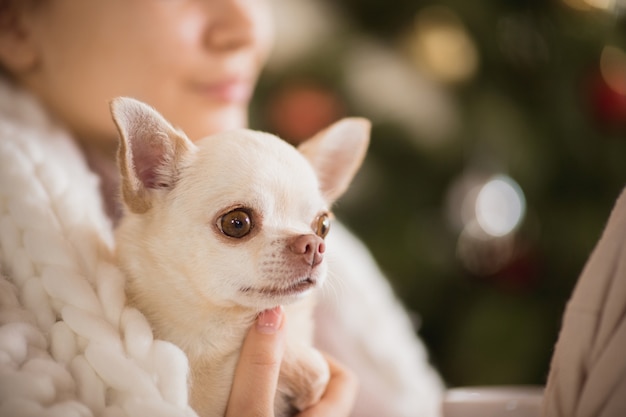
70	346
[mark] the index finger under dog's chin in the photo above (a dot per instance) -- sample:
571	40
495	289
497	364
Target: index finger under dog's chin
340	395
258	367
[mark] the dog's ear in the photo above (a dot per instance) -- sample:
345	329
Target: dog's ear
336	153
151	152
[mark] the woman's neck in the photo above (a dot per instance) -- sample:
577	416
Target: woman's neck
101	158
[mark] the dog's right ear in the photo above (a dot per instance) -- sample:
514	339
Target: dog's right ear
336	153
151	152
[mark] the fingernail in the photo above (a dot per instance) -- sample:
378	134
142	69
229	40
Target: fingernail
268	321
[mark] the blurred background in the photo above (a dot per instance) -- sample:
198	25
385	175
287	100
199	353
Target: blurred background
498	149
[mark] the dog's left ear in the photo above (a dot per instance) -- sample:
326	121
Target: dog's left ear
336	153
151	152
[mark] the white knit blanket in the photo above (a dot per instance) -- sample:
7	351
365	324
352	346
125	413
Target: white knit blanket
69	346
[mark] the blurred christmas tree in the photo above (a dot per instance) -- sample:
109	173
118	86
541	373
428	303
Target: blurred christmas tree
498	150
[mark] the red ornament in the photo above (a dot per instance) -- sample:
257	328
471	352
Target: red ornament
299	110
608	105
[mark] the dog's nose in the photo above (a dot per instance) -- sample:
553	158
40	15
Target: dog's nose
311	247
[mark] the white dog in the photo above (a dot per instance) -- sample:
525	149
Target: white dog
217	231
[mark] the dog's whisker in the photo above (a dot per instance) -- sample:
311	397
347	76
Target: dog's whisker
333	286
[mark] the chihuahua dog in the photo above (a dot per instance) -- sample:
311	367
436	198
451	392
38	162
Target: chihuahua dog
216	231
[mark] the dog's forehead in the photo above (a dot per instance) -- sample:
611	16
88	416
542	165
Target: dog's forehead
255	166
249	150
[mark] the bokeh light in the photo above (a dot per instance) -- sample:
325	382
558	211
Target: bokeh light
442	46
615	6
613	68
389	89
487	211
601	4
500	206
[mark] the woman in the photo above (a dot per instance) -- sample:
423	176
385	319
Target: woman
63	317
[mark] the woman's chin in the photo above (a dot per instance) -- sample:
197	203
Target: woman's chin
214	121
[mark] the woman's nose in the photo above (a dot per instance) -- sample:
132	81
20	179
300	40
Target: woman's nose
232	24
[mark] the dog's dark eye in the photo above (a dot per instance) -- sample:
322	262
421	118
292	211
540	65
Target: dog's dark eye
322	225
235	223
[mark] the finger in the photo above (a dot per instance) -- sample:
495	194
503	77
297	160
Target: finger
340	395
256	374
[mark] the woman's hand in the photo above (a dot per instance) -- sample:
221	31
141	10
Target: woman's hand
256	375
338	400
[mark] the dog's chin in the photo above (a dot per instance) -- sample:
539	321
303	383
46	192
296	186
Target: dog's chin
270	296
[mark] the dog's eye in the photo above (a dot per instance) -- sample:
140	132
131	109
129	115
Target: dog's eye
322	225
235	224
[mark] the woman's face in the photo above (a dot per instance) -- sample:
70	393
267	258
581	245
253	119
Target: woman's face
195	61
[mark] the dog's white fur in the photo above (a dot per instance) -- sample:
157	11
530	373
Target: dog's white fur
202	289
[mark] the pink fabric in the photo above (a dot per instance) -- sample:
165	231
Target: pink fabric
588	371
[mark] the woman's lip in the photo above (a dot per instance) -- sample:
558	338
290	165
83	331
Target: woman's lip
232	90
